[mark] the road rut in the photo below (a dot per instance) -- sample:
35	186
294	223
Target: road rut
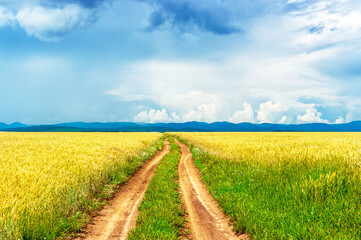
206	219
115	220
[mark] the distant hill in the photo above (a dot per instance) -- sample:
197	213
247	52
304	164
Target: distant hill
185	127
43	128
13	125
98	125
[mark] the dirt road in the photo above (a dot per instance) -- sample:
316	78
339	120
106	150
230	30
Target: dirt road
117	218
206	219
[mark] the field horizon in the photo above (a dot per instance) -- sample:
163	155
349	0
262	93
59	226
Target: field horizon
192	126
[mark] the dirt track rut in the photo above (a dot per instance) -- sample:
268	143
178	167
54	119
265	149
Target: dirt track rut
206	219
116	219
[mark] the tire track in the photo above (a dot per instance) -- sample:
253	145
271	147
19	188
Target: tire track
115	220
206	219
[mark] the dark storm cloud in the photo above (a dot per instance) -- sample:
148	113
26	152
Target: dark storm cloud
221	17
211	16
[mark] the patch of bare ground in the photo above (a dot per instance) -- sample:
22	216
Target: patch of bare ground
205	218
117	218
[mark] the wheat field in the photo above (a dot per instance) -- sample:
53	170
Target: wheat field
48	180
284	185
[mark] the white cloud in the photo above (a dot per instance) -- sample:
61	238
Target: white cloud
245	115
311	116
155	116
333	22
204	112
50	24
287	110
283	120
340	120
155	81
175	117
268	111
353	110
152	116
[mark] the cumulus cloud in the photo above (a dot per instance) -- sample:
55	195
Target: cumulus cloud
287	110
269	111
245	115
340	120
204	112
50	24
311	116
155	116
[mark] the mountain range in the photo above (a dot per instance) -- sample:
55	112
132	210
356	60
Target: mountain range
184	127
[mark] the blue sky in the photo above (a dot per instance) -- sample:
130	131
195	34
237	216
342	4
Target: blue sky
284	61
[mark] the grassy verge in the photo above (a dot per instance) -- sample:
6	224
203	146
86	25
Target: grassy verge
289	200
161	214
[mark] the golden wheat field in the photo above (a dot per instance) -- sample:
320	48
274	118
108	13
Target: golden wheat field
271	148
46	178
284	185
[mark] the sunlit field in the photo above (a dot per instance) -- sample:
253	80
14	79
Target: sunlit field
284	185
48	181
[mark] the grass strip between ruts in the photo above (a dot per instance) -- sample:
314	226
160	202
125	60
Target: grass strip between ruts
160	214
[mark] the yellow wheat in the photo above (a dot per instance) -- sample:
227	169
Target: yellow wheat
274	148
40	171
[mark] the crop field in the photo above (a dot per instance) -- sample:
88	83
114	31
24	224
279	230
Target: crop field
49	182
272	185
284	185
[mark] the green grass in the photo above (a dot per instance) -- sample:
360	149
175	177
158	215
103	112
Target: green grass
286	200
160	213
